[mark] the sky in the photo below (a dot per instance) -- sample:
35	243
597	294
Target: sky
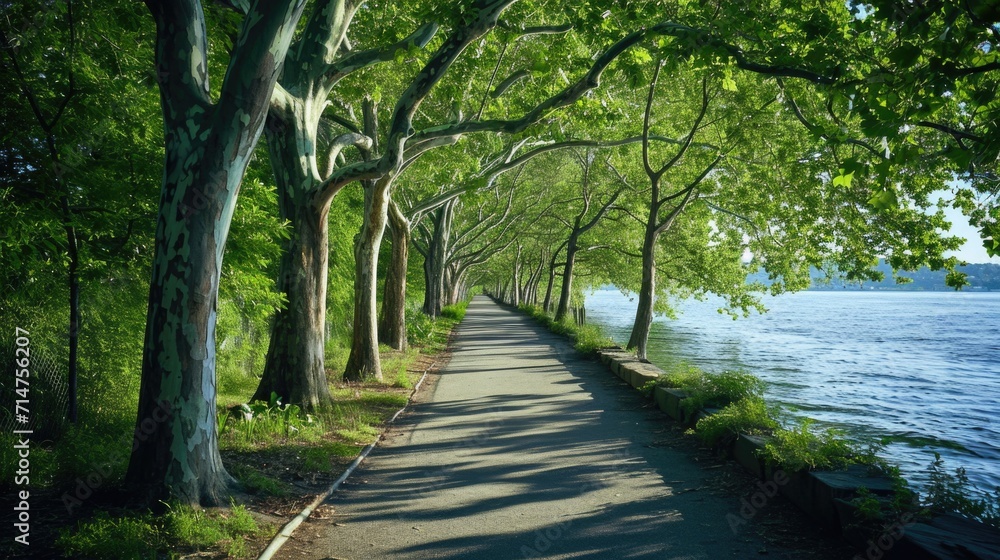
973	250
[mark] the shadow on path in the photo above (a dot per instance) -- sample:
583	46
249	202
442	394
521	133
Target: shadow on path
524	449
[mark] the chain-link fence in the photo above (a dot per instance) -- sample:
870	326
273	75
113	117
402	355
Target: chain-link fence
47	395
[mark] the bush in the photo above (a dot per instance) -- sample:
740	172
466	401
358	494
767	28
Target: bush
745	416
455	312
953	493
719	389
801	448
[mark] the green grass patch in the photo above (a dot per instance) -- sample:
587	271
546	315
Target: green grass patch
181	530
321	457
258	483
391	400
586	338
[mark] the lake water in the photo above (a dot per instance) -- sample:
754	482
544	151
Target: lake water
922	368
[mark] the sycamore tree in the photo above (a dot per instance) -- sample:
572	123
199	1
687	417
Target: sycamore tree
772	189
919	78
208	144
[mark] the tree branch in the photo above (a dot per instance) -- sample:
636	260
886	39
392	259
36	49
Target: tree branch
343	141
336	71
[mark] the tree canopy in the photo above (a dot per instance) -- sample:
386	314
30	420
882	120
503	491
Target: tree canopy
531	148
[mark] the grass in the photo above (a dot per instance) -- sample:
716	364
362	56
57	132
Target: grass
181	531
588	339
279	454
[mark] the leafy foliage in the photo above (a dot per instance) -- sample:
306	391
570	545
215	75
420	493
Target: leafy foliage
947	492
720	389
749	415
800	448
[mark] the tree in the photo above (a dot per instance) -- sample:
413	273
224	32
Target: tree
583	222
75	206
319	60
825	214
208	146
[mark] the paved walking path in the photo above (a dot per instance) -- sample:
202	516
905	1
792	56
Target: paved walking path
523	449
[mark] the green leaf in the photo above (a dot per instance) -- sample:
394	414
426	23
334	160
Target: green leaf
641	56
541	66
844	179
884	200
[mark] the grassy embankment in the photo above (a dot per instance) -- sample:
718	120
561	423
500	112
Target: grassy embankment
281	456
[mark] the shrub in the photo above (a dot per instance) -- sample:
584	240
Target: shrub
802	448
719	389
746	416
455	312
953	493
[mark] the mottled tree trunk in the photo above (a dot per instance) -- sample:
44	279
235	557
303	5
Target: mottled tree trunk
176	453
647	292
567	277
434	262
294	368
392	323
363	362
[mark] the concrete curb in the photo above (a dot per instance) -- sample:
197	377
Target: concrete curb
286	532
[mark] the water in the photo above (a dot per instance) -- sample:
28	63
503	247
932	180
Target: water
922	368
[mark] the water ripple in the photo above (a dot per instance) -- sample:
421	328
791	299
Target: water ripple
909	366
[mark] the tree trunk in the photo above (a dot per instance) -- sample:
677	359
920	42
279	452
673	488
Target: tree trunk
647	292
392	323
567	280
294	368
456	286
363	362
547	302
72	244
515	289
176	453
434	262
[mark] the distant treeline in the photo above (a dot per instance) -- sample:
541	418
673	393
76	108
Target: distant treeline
981	277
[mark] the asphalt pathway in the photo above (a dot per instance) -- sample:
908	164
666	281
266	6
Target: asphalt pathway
523	449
